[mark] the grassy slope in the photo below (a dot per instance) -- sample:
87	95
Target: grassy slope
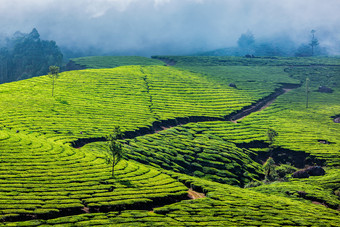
98	62
225	206
299	128
43	177
91	102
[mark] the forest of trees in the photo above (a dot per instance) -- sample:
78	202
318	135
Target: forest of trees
26	55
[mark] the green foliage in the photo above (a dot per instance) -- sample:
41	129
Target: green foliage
56	179
314	189
27	56
271	134
99	62
115	148
269	168
186	150
285	169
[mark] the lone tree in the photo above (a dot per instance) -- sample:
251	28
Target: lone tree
271	134
246	40
54	73
269	168
313	42
246	43
307	91
115	148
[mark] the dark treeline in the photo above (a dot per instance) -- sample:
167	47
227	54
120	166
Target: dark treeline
276	46
25	56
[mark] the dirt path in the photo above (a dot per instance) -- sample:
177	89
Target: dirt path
195	195
266	104
166	124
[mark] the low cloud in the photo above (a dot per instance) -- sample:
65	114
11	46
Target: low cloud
147	27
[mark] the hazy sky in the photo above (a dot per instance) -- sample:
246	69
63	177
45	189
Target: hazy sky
169	26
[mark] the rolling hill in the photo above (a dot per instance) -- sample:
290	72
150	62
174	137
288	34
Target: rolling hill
178	135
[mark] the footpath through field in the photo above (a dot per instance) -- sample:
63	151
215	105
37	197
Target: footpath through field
163	125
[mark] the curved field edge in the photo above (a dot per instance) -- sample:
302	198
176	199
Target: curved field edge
89	103
224	205
46	179
53	133
99	62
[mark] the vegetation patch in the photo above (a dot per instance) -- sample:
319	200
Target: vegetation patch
44	180
99	62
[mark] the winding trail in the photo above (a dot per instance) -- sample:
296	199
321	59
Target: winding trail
260	105
164	124
161	125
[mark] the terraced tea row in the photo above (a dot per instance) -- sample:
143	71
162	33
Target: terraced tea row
224	206
100	62
186	150
42	178
89	103
299	128
318	189
177	93
243	61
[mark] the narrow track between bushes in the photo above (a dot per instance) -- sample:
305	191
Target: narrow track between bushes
161	125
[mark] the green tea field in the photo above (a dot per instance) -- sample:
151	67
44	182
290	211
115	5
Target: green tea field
197	149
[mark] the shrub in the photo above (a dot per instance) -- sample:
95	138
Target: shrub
285	169
252	184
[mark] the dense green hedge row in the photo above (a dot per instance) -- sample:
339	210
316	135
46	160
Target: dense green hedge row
185	150
224	206
88	103
320	189
299	128
243	61
99	62
43	177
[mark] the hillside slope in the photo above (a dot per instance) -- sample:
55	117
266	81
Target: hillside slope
45	181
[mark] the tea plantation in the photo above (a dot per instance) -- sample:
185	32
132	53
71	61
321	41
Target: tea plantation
177	135
98	62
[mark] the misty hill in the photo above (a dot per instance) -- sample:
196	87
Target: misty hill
26	56
178	135
281	46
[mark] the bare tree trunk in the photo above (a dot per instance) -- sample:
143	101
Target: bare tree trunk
307	91
52	85
113	167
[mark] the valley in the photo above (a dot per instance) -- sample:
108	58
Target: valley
184	127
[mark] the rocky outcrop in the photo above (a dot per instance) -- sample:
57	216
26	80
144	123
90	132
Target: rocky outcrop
309	171
300	174
316	171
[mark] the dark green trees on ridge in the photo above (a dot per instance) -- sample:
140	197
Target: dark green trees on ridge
26	56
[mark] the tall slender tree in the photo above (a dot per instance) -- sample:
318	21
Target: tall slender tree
115	148
271	135
313	42
54	73
307	91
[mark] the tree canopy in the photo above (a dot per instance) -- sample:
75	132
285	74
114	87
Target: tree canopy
26	55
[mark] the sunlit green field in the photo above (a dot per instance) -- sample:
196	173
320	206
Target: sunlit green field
45	181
